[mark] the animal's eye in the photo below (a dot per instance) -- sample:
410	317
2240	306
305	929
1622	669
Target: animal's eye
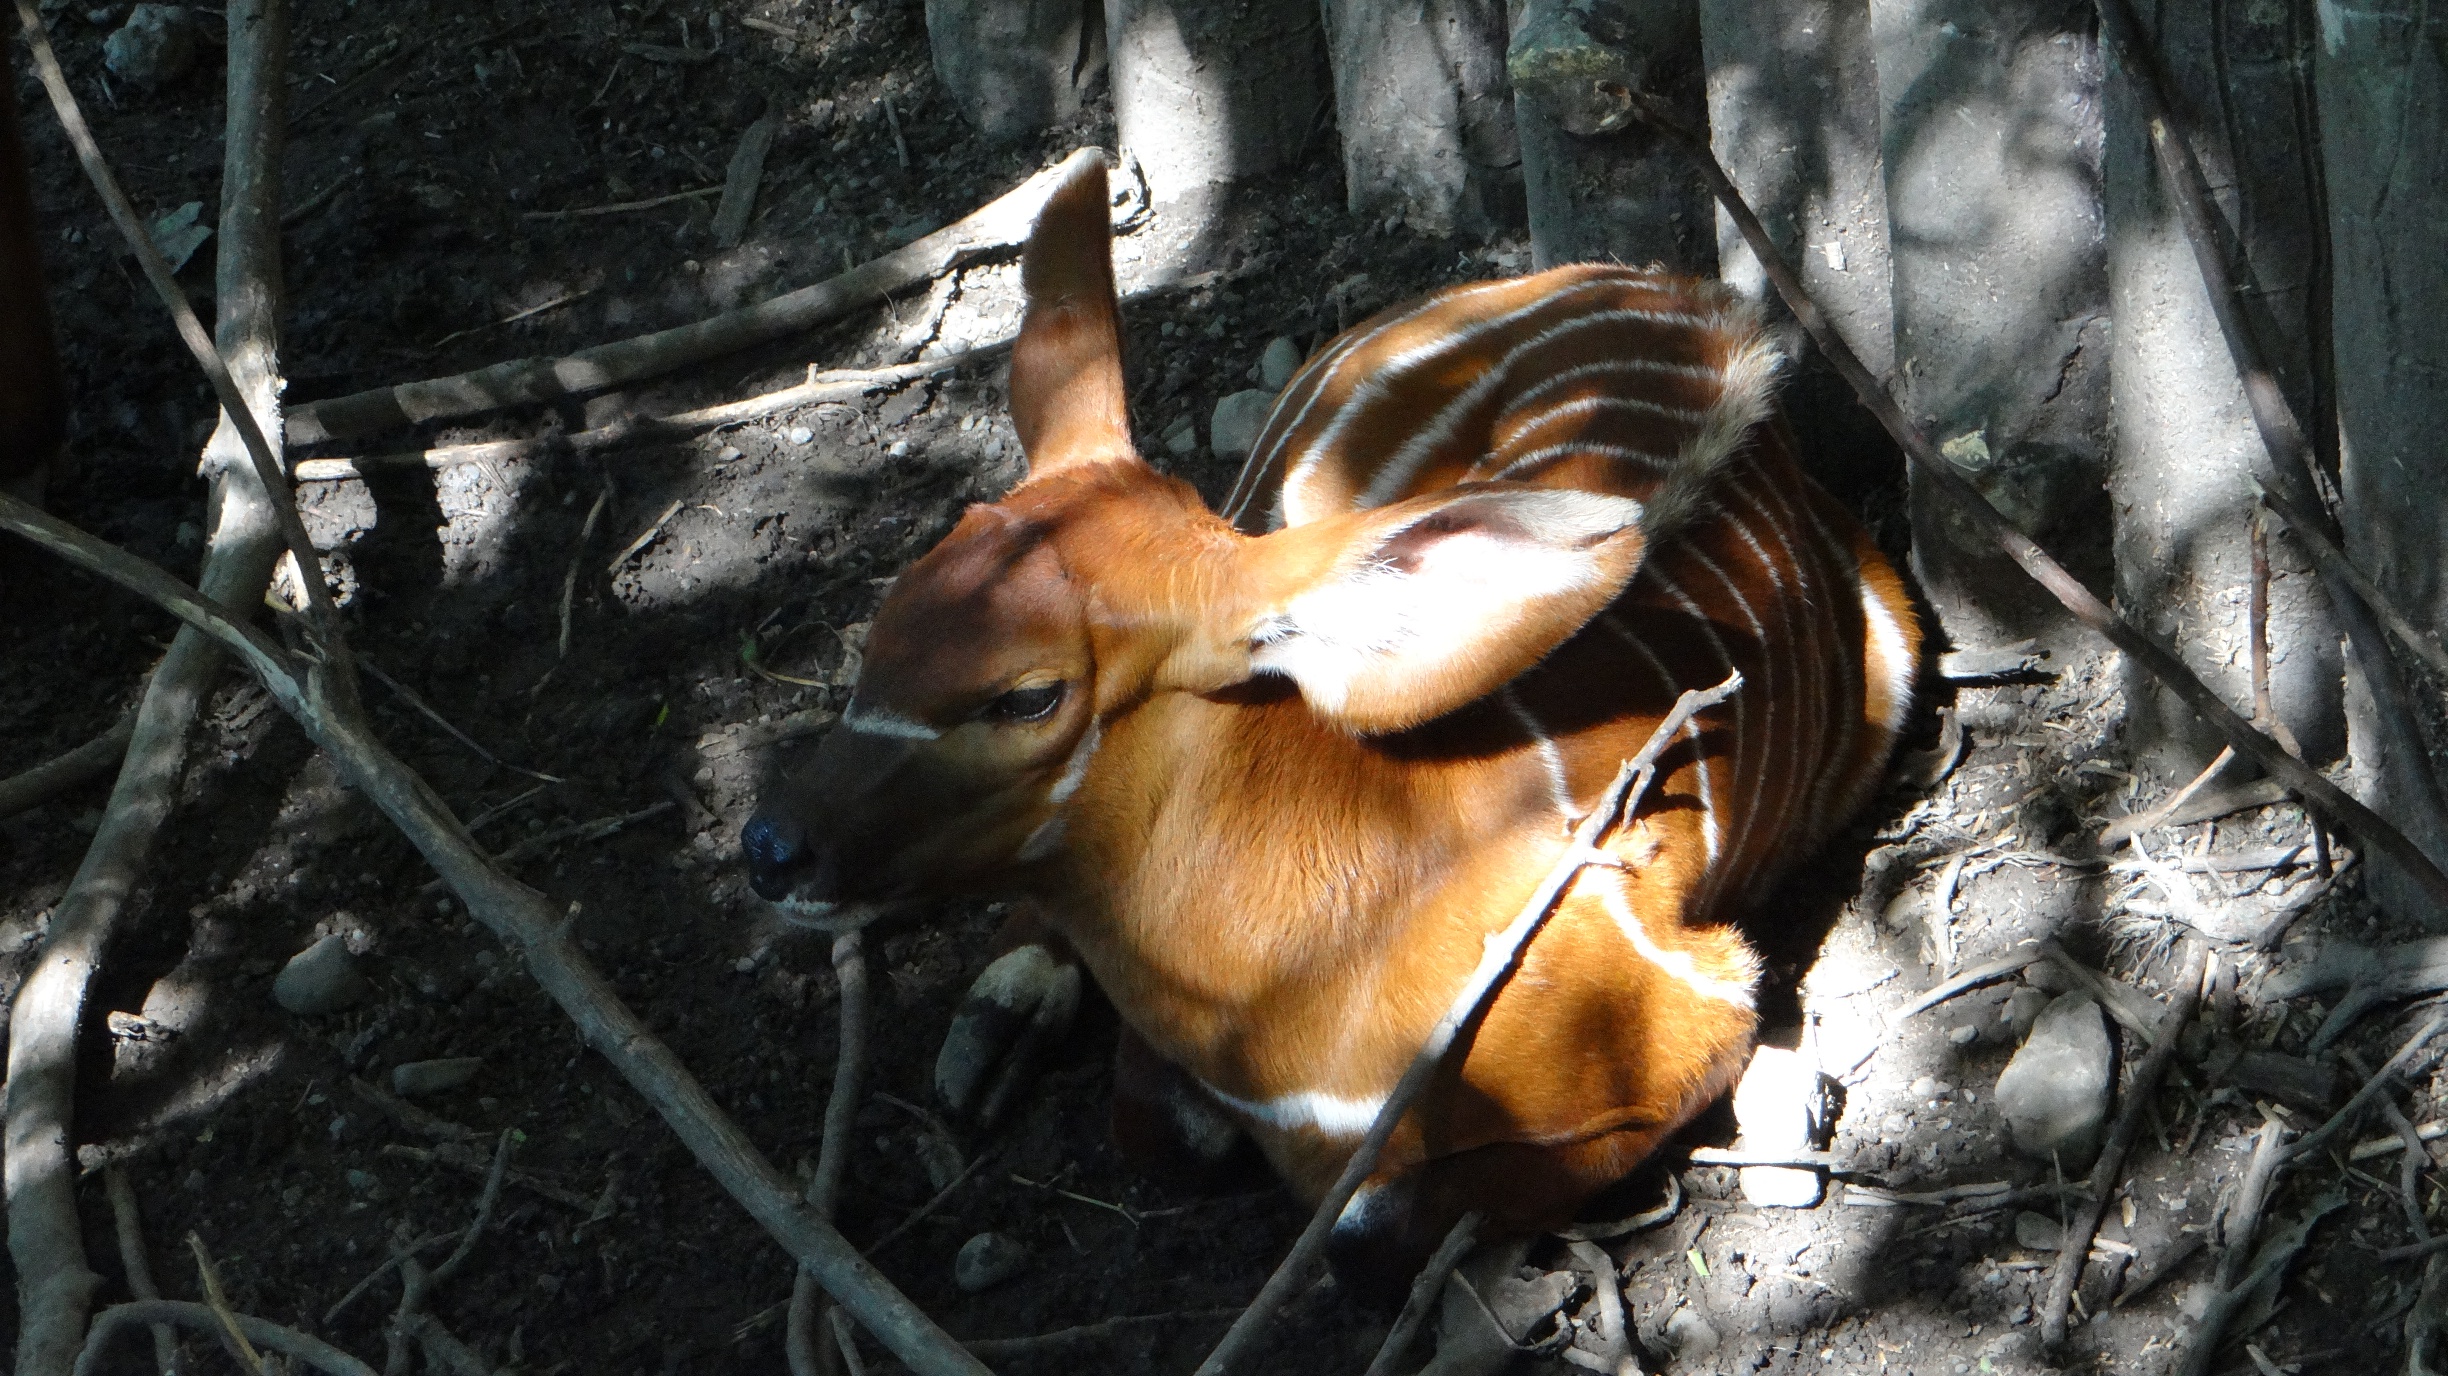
1033	703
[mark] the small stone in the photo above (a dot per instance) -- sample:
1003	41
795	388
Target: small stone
363	1182
1277	365
1963	1035
800	434
986	1261
1181	437
323	978
412	1078
2037	1232
1233	430
2023	1009
1924	1088
1689	1336
2054	1093
154	48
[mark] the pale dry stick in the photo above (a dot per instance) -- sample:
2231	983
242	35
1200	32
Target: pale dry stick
2148	654
410	1323
2076	1240
1499	951
60	773
2338	1122
2421	642
2243	1221
538	933
511	319
646	538
259	49
833	385
1979	975
1941	924
800	1334
1425	1287
1088	1332
129	1225
999	226
623	207
218	1302
111	1322
569	584
426	710
390	1264
55	1281
2413	1250
2409	1167
2157	817
1611	1328
2215	803
2290	479
2134	1010
2211	1332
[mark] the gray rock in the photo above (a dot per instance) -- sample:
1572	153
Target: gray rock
155	47
1277	365
2054	1093
412	1078
2023	1009
1688	1336
2036	1232
1181	438
987	1260
1238	418
323	978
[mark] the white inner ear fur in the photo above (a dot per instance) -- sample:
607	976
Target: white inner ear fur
1459	592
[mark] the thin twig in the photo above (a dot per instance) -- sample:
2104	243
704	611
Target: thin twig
921	1213
803	1333
999	226
2423	643
2147	653
129	1225
998	1348
646	537
1498	954
425	709
45	781
569	584
2338	1122
111	1322
209	1276
1969	980
2287	469
55	1281
2139	1095
1425	1287
537	932
623	207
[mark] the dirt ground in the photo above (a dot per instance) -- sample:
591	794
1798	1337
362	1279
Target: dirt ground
426	137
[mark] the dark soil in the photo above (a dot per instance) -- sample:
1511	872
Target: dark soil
437	130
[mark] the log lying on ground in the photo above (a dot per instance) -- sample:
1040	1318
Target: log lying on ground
1425	113
1001	225
1598	187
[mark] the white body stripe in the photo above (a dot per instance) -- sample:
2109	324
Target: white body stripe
1559	785
878	721
1332	1114
1679	964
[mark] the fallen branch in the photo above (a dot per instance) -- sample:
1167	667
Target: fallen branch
535	929
1425	1287
55	1282
2145	652
57	775
835	385
313	1351
1979	975
2139	1094
999	226
2344	1117
2217	802
2425	645
807	1320
1499	951
129	1226
2227	1305
2134	1010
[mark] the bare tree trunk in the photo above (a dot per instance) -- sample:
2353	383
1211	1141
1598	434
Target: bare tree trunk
1599	185
1426	113
1990	140
33	392
2382	74
1016	67
1209	91
2180	476
1793	103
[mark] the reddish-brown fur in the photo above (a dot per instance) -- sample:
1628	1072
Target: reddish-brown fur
1277	854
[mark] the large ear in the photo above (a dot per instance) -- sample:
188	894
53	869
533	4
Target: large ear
1066	373
1392	617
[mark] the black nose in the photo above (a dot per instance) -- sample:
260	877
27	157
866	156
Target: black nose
777	851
